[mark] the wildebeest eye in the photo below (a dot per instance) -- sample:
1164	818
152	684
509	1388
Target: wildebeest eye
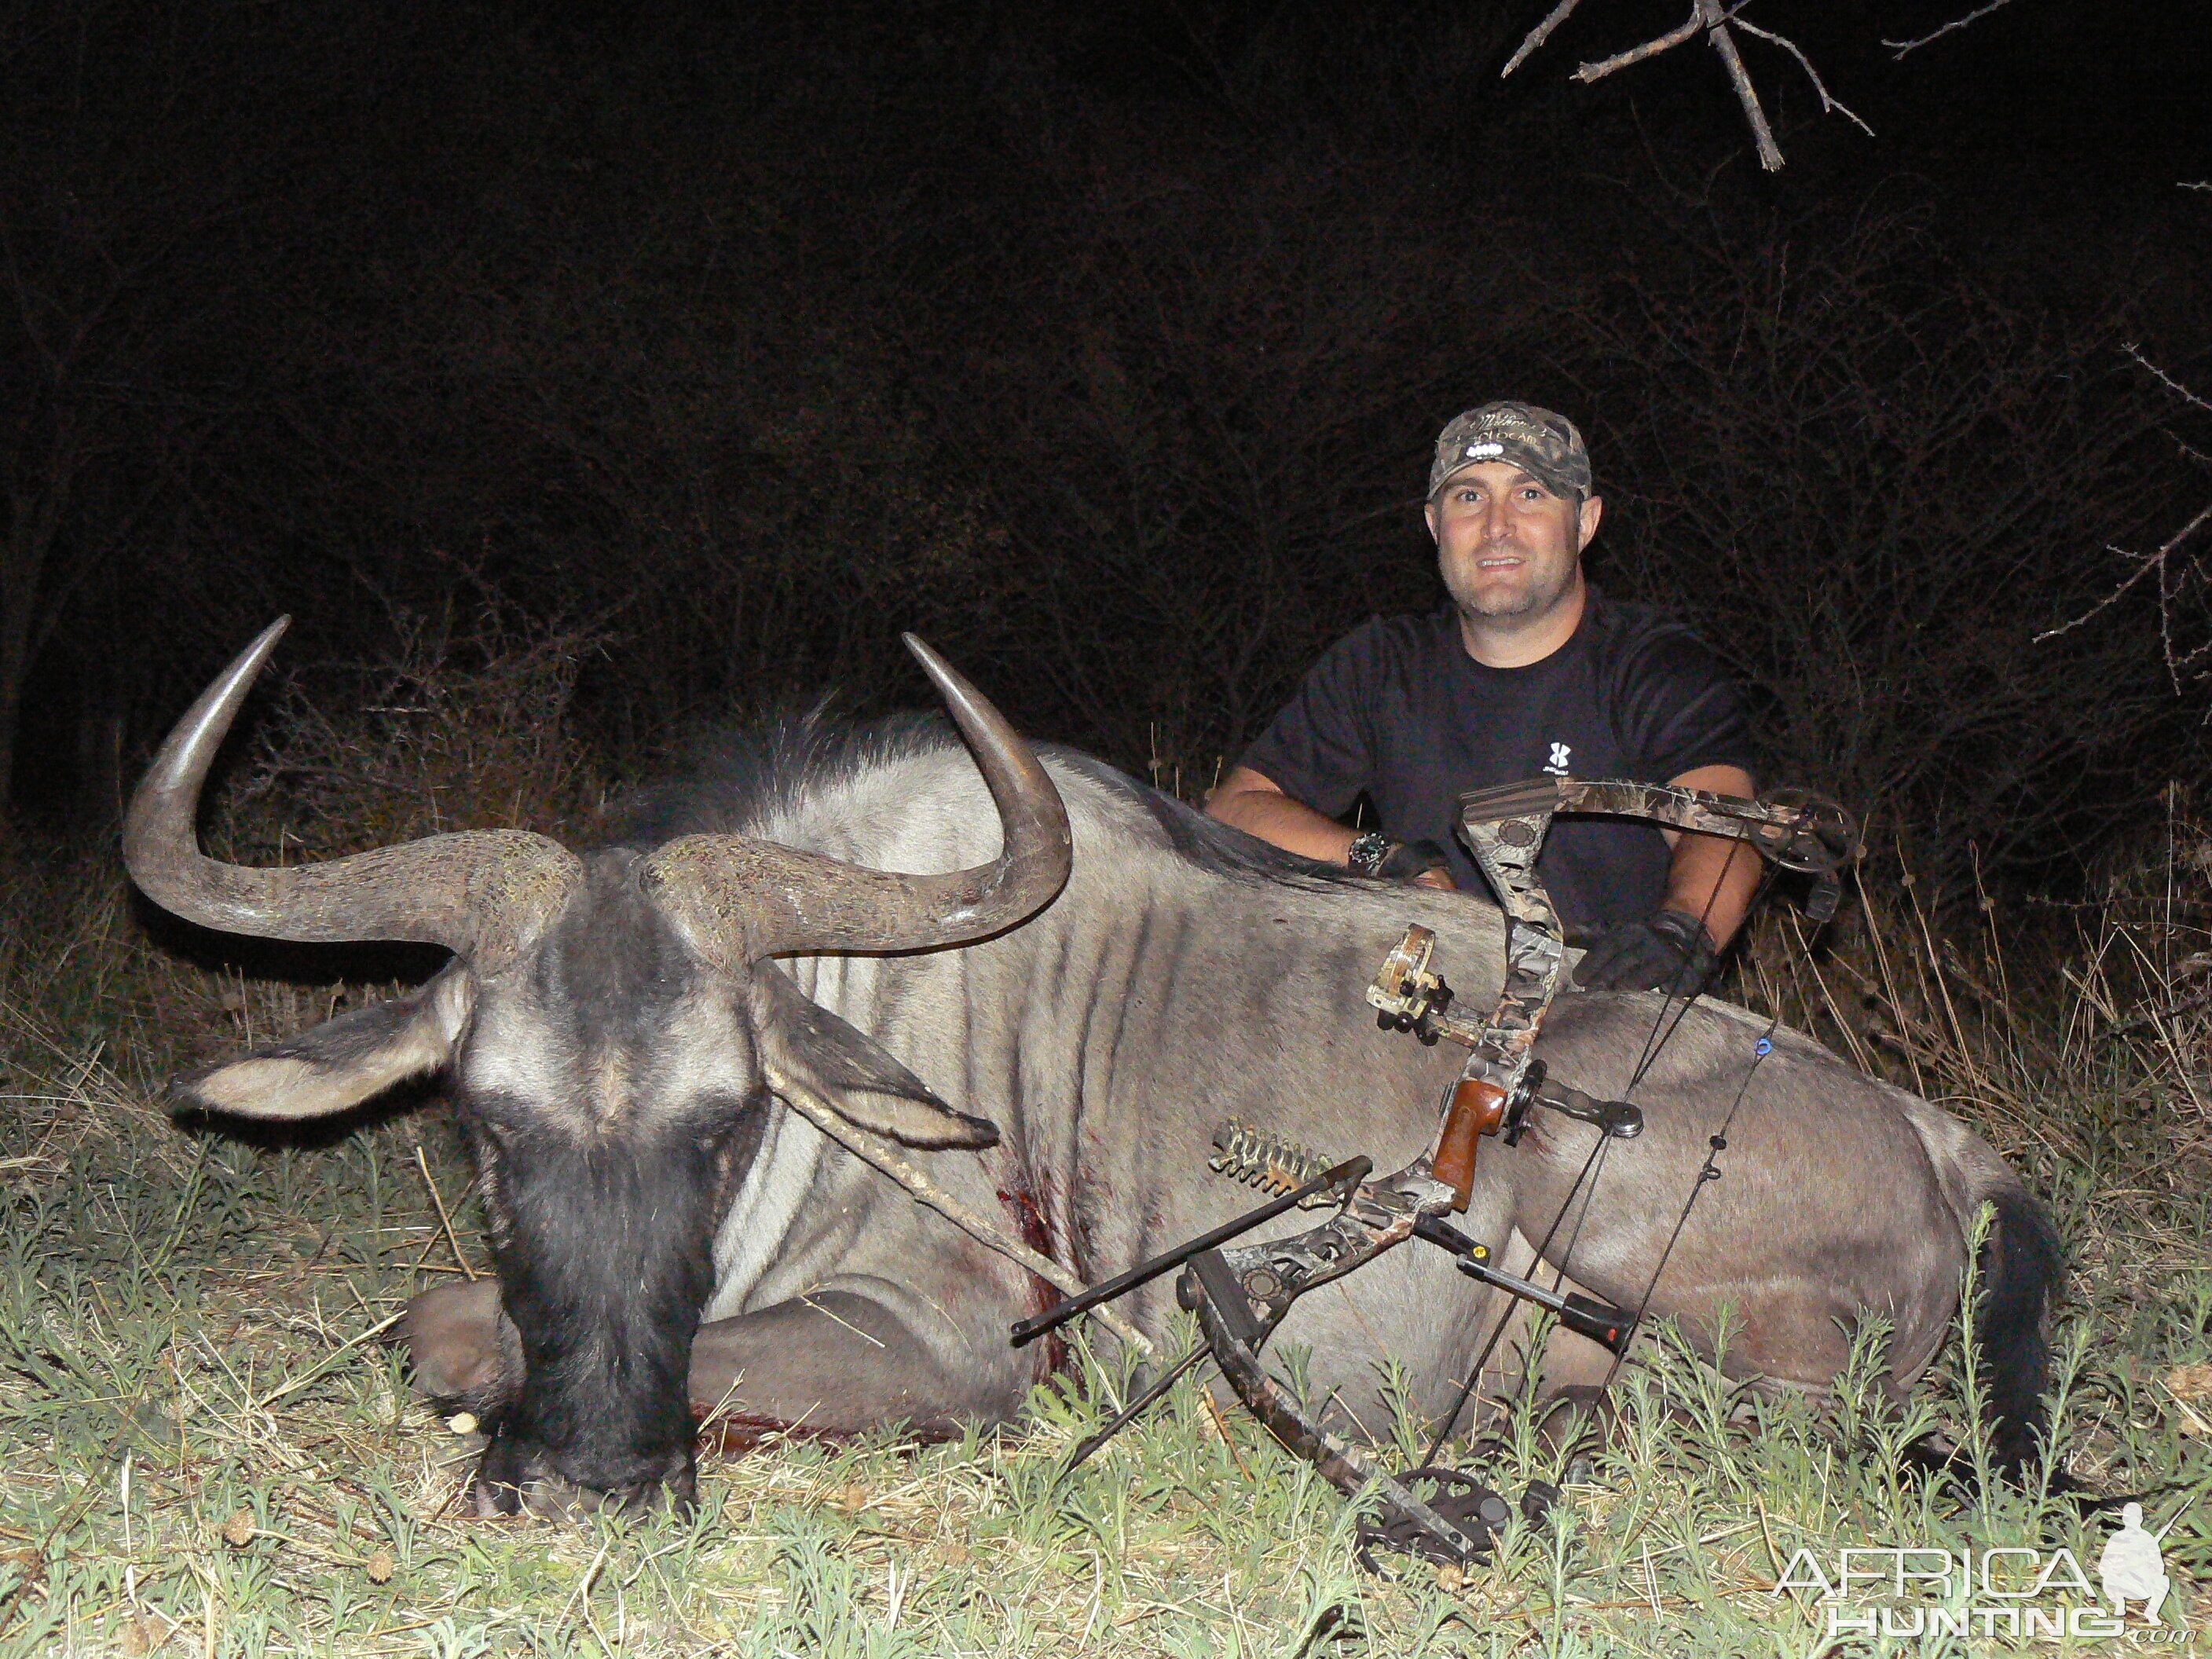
716	1122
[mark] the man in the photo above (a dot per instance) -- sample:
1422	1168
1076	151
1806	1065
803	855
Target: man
1530	668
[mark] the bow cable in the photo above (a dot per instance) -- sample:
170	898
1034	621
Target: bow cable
1708	1172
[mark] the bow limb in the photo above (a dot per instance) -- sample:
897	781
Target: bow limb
1285	1417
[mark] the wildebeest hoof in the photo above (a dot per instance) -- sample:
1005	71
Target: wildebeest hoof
453	1340
515	1478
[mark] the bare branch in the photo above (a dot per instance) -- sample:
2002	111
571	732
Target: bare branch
2195	183
1598	71
1708	15
2165	378
1538	35
1829	104
1717	30
2173	575
2146	564
1901	47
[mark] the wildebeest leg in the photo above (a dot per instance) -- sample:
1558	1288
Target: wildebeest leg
1573	1407
835	1360
1579	1415
463	1353
1568	1361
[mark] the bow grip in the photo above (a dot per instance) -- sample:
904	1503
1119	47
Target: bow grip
1478	1107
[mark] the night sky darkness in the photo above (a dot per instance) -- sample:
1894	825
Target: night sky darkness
1101	343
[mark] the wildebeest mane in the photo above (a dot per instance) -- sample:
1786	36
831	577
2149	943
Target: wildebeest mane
734	776
1210	844
737	776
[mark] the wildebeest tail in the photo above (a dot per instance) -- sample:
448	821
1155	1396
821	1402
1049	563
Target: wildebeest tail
2021	1264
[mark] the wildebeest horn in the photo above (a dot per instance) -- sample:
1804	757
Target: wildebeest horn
476	893
742	900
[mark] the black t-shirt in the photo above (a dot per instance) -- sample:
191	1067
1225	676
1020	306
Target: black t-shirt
1398	708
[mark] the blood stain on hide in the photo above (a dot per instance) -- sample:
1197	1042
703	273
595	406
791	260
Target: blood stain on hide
1029	1221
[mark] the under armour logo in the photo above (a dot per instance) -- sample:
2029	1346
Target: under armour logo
1557	766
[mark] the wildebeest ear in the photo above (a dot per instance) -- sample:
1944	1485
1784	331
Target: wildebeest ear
343	1061
806	1048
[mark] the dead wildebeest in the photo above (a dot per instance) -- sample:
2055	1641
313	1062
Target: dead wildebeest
621	1032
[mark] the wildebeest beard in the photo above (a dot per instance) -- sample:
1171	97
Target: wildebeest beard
603	1250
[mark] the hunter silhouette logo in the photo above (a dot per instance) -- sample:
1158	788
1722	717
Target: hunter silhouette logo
2131	1567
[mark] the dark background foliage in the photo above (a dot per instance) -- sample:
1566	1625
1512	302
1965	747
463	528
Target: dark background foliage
1102	346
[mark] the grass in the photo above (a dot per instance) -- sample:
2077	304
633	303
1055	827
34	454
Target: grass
210	1451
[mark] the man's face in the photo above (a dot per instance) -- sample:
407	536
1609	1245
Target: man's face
1507	545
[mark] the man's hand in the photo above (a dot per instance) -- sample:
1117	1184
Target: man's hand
1420	862
1669	951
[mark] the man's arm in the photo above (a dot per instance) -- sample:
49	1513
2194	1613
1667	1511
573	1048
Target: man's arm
1257	806
1712	878
1254	803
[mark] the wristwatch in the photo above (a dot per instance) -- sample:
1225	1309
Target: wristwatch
1366	855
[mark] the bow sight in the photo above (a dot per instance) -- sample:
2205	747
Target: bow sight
1241	1293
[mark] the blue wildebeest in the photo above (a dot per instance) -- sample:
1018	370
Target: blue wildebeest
620	1030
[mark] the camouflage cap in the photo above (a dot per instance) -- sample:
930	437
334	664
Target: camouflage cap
1544	444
